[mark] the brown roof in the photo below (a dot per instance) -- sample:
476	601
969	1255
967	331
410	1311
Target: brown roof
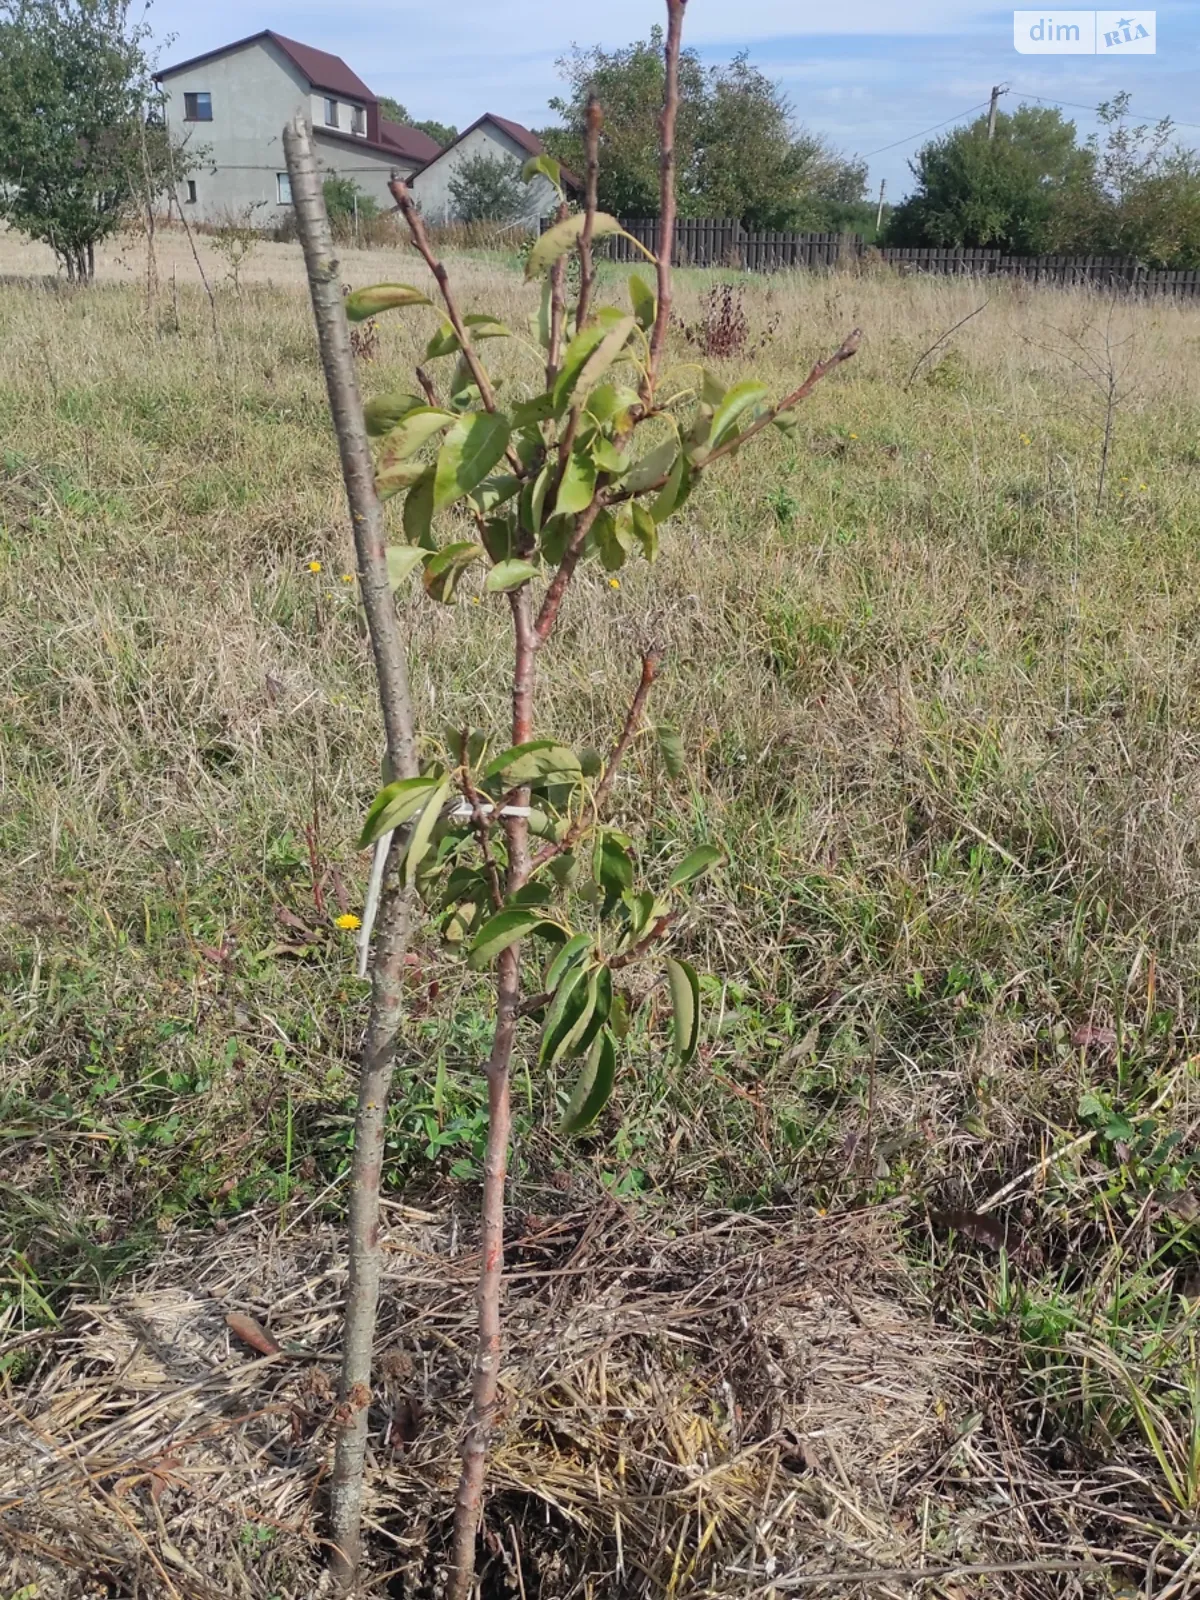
323	71
528	141
411	143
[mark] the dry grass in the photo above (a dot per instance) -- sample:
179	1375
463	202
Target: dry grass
940	711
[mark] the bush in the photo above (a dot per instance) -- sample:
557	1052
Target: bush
488	189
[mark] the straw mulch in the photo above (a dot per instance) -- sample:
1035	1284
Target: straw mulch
733	1407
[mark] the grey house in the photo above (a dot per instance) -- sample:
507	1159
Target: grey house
235	102
494	136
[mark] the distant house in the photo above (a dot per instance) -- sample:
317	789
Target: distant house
235	101
490	135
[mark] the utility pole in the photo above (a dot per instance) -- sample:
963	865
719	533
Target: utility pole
997	90
879	213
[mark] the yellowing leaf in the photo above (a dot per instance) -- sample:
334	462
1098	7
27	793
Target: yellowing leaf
402	561
364	303
414	430
383	412
443	570
685	1006
564	236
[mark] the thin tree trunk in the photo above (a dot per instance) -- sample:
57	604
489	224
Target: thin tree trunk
387	995
486	1375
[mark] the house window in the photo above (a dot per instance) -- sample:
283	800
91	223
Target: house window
358	119
197	107
283	188
331	116
191	183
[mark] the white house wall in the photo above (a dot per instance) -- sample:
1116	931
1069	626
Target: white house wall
431	186
368	168
254	90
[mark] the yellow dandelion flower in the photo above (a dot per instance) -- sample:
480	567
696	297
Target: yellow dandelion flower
348	921
614	583
1143	486
854	436
1025	439
347	577
314	566
475	600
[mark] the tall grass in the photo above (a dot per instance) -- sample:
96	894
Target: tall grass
942	714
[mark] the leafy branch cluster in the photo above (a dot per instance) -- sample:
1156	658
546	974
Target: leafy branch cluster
506	836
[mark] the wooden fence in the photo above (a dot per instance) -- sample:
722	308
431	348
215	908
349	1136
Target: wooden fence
723	242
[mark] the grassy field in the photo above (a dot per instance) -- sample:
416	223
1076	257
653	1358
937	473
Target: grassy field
938	690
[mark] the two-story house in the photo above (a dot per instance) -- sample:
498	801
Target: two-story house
234	102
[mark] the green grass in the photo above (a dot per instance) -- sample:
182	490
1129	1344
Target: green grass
940	712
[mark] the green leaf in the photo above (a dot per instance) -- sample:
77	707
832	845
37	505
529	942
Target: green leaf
469	452
568	956
526	763
653	467
641	298
563	236
383	412
364	303
574	359
540	321
443	570
644	910
602	357
610	403
671	746
612	866
594	1087
394	805
402	562
669	496
540	408
503	930
570	1009
547	166
685	1008
422	833
614	540
416	429
533	500
418	511
578	484
479	325
695	865
606	455
712	391
397	476
735	402
645	530
495	490
506	575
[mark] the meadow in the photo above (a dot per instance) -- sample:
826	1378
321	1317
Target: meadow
936	678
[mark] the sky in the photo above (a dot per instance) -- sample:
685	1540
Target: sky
867	74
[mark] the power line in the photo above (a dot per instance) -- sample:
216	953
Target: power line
957	117
1074	105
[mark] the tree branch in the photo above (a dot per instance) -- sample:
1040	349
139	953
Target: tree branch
847	348
591	144
566	570
558	307
416	227
387	988
666	205
633	717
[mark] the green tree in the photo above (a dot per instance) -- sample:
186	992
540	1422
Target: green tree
442	133
81	133
1146	201
753	162
1016	192
340	196
739	151
487	188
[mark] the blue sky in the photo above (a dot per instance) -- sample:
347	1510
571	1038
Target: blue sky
865	73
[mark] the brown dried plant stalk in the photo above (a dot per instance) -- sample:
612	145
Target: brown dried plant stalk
493	835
